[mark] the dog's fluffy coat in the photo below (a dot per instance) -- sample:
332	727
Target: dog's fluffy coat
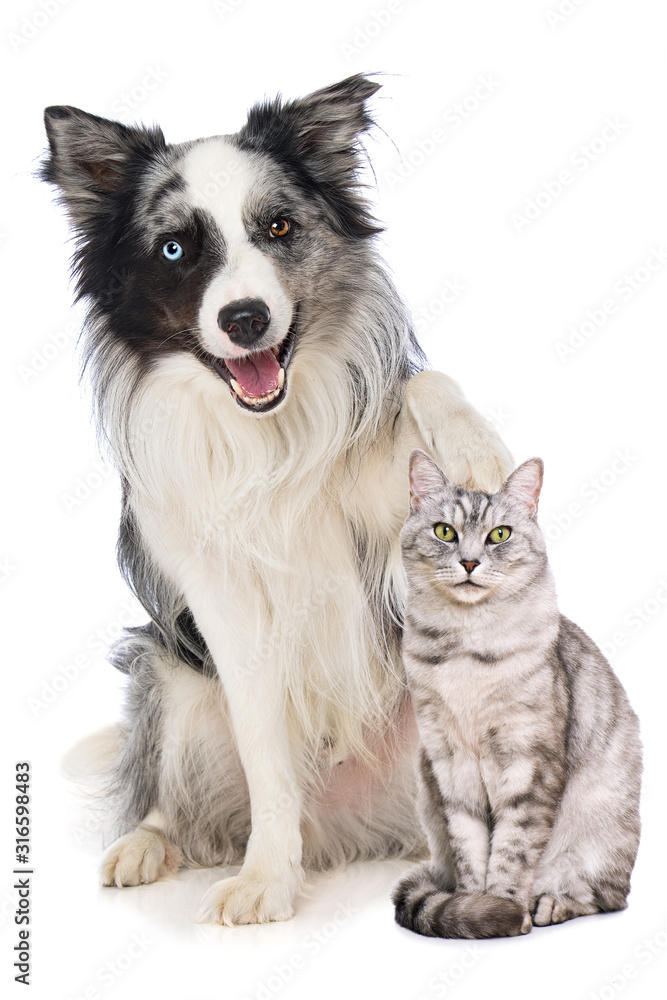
266	719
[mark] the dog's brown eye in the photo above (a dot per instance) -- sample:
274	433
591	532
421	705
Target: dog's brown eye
279	227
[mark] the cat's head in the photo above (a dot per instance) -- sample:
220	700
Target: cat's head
473	545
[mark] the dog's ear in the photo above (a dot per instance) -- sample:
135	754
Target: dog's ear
318	139
89	158
328	123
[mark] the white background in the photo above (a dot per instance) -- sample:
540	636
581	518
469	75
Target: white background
596	416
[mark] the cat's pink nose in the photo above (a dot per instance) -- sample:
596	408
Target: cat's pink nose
469	566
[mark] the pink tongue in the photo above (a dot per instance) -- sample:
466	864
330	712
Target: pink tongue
257	373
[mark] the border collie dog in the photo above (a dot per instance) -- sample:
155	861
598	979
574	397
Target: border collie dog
259	387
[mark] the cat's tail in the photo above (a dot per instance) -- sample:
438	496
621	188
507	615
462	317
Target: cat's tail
425	908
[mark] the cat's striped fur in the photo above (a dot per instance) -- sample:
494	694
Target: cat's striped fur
530	758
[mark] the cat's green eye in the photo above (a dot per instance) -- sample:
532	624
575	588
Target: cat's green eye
500	534
445	532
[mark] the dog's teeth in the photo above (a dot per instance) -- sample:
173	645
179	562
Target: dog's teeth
275	351
267	397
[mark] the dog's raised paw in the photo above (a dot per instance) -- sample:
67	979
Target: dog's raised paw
247	899
138	858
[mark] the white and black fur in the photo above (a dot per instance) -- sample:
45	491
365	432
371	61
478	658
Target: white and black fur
267	719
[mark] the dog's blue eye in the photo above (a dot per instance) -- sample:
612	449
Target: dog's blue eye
172	250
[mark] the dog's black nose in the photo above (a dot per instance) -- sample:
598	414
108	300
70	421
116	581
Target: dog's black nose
244	320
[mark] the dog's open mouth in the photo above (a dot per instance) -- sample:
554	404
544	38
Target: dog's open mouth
258	380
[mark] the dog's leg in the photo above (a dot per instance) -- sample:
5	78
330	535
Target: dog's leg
439	419
265	888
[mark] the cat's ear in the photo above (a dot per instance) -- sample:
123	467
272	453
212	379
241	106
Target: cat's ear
426	478
525	484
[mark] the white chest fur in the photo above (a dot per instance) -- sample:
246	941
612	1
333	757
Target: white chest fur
281	552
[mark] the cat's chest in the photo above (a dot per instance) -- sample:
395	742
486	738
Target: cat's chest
463	700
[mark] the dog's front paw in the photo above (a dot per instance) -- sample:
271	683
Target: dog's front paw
139	857
248	898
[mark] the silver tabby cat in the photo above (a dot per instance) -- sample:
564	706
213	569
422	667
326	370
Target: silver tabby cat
530	758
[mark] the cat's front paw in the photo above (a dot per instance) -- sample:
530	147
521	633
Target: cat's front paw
548	909
248	898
